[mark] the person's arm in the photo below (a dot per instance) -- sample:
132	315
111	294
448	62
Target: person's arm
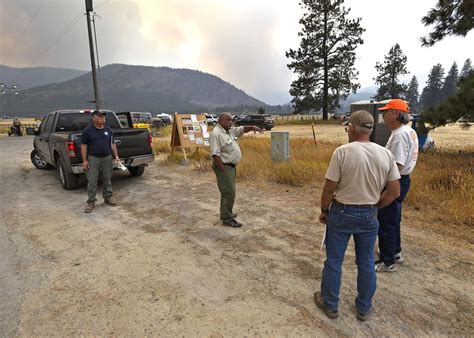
391	192
326	198
218	162
85	162
252	128
115	152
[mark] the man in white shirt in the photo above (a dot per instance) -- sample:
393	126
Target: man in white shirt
403	143
225	152
352	193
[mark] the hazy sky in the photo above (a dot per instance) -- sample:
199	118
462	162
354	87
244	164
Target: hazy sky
241	41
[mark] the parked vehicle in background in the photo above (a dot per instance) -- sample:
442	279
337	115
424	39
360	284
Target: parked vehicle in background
57	144
166	118
141	119
263	121
211	119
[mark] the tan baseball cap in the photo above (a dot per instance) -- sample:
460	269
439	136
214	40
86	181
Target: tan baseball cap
361	118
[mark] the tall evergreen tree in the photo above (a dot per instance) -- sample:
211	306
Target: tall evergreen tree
432	94
325	59
392	67
450	82
449	17
466	69
413	96
459	105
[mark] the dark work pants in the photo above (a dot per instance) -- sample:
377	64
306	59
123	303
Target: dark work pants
97	165
390	218
226	185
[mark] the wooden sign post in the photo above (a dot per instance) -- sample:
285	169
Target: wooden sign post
189	131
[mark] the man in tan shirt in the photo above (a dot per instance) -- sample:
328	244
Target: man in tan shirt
226	154
352	194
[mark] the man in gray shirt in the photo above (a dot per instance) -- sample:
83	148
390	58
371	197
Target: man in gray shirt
226	154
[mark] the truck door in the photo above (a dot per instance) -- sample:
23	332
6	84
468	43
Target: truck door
43	139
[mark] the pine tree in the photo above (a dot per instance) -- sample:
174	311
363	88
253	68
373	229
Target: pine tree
450	17
325	59
432	94
459	105
412	95
450	82
393	66
466	69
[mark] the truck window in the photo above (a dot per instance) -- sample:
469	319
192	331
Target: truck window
43	125
79	121
49	124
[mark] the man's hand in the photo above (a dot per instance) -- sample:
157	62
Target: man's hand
85	165
218	162
323	217
117	160
255	129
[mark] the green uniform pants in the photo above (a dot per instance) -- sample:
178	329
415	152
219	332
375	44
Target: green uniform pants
96	164
226	185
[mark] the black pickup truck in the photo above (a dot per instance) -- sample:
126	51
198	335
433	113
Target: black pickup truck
58	144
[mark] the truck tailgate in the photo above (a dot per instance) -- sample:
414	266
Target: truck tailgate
132	142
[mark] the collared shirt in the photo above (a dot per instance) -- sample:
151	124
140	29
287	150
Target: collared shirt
224	144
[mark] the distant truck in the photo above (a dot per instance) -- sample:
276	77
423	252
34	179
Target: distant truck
263	121
57	144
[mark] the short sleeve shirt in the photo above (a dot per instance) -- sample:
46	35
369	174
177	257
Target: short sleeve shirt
361	170
99	141
403	143
224	144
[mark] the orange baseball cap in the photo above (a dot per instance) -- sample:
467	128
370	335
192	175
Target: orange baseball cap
396	104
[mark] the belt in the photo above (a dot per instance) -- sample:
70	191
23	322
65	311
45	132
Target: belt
365	206
230	164
99	155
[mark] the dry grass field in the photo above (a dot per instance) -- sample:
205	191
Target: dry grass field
442	184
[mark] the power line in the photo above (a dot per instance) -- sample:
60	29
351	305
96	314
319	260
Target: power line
61	34
24	31
59	37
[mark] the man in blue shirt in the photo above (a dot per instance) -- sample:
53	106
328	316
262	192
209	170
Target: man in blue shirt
96	150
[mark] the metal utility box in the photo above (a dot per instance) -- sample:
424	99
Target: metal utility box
280	145
381	132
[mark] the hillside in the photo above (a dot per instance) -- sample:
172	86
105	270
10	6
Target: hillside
33	77
139	88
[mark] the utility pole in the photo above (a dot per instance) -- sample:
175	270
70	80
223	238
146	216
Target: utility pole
98	98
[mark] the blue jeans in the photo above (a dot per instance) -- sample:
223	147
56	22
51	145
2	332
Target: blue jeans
362	224
390	218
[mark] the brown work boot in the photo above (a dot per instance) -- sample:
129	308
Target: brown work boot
89	207
110	201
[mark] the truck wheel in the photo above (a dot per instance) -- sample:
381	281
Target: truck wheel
137	171
68	181
38	162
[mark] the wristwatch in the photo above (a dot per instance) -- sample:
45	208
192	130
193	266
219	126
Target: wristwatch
324	210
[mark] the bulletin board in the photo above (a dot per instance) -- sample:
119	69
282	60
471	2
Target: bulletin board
189	131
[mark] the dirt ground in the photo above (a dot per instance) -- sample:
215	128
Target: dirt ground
160	263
